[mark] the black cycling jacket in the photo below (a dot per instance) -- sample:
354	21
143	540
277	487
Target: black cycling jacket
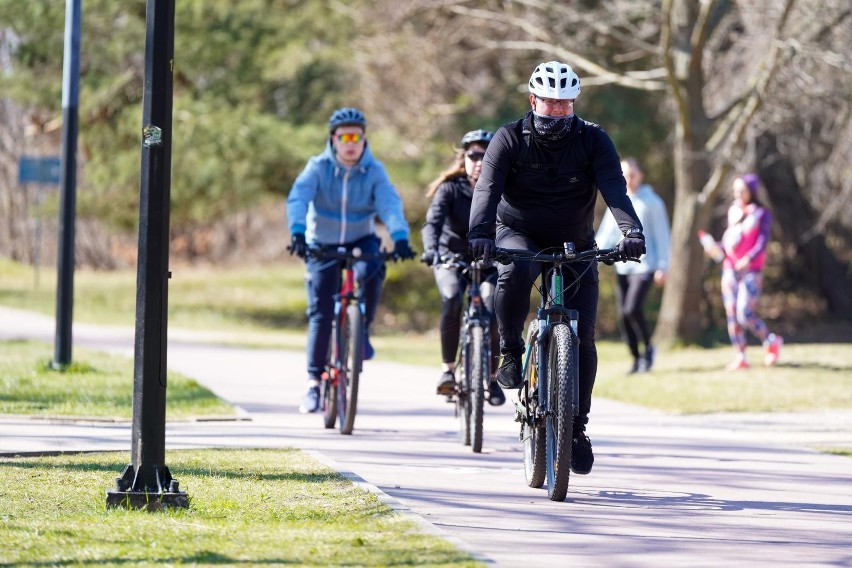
445	229
552	193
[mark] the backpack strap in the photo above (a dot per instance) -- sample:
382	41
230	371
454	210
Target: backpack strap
578	147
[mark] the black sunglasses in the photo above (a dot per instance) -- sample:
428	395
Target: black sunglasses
475	155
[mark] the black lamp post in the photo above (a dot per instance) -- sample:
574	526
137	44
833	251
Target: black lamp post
147	482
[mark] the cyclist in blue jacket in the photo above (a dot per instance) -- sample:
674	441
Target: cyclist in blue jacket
334	202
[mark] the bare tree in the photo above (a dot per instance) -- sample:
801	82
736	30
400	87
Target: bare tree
717	63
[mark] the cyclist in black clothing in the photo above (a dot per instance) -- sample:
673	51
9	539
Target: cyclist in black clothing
538	183
445	231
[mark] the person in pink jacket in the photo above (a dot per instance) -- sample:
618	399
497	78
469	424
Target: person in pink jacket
744	245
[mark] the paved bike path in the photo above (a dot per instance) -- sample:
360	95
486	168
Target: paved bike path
665	490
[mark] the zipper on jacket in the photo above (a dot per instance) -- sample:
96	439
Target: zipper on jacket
343	203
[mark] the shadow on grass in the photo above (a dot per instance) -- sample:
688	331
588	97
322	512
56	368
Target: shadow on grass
117	464
805	366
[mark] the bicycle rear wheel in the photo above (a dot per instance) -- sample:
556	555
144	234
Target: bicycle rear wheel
463	395
351	356
535	454
476	381
329	402
328	387
562	374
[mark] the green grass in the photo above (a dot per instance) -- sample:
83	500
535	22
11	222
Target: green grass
247	507
95	385
264	306
693	380
233	300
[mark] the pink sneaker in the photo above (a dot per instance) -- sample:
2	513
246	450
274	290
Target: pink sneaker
773	347
737	364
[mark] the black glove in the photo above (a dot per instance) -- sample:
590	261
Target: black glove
482	248
402	249
298	246
430	257
632	245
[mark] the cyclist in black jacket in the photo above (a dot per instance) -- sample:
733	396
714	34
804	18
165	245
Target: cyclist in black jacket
539	182
445	232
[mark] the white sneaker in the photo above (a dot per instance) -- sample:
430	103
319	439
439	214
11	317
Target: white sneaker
773	349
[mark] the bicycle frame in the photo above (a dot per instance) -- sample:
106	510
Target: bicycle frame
552	346
551	311
345	358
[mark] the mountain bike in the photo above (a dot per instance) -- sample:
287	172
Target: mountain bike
339	389
473	363
549	396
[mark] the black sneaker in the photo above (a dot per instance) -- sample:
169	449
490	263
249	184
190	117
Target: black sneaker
495	394
311	400
509	373
635	368
447	384
648	359
582	457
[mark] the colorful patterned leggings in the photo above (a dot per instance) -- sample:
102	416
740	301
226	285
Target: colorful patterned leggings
740	291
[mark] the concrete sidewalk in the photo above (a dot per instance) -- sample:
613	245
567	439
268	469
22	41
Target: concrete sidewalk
665	491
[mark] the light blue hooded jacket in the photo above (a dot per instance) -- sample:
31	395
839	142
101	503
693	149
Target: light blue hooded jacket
333	204
655	223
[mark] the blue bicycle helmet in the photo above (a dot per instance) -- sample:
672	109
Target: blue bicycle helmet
476	136
346	116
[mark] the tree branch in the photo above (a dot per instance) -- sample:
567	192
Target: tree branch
699	37
668	63
741	120
601	74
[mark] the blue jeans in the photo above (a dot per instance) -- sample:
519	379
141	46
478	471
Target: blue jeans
323	283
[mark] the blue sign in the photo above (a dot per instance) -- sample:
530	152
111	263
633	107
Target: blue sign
39	169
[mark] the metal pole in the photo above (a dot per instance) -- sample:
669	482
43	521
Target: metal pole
147	482
68	186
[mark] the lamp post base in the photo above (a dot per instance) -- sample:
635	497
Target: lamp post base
130	491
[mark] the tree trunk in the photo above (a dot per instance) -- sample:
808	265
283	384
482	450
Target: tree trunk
680	316
795	217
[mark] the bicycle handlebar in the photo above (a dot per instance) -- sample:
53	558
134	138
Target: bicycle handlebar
607	256
353	254
457	260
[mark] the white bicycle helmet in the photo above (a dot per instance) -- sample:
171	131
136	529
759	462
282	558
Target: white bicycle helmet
554	80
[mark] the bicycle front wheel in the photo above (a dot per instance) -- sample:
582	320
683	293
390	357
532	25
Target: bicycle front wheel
351	355
562	374
476	381
535	454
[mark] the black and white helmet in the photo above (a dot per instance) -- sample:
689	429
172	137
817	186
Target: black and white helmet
345	117
554	80
476	136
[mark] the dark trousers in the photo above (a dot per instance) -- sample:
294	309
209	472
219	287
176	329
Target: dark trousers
512	305
630	295
323	283
452	287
